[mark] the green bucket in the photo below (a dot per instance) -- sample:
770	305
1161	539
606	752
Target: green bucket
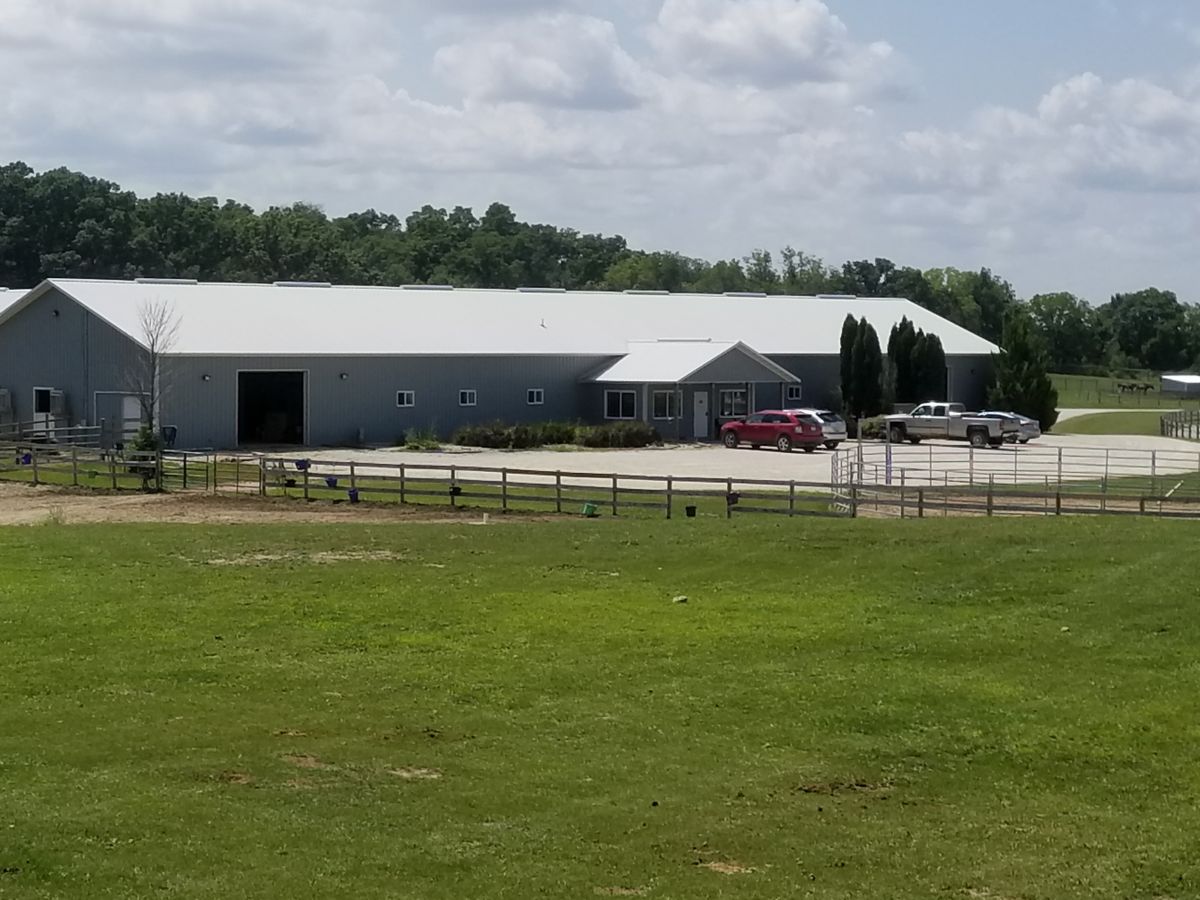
591	510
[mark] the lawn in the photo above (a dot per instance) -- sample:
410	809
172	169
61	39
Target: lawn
843	709
1125	422
1086	392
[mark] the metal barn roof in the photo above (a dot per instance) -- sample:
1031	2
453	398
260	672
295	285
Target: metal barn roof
9	296
1182	379
677	362
312	320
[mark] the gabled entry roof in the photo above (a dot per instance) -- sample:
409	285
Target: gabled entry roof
691	362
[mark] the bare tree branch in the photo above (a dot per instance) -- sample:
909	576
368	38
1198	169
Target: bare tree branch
148	377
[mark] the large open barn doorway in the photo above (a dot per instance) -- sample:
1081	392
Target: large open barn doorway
271	408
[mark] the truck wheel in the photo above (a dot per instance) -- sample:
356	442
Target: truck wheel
784	444
914	441
978	438
731	440
897	434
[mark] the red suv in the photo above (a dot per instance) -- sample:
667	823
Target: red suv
783	429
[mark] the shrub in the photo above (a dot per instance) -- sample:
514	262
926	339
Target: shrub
555	433
421	439
874	429
618	434
490	436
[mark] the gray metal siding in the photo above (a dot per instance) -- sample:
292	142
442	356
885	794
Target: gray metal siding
820	375
970	377
363	405
72	351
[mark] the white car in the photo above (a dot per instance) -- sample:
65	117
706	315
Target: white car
1030	428
833	425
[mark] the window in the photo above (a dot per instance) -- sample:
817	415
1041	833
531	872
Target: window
666	405
733	404
620	405
406	399
795	393
468	398
535	397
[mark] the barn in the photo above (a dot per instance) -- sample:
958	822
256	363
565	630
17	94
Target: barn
322	365
1181	385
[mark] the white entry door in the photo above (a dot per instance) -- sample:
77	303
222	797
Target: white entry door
702	428
43	413
131	417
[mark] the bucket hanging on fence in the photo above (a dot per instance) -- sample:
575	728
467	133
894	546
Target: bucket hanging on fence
331	481
302	465
27	459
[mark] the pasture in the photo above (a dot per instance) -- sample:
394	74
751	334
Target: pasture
1141	392
841	710
1139	422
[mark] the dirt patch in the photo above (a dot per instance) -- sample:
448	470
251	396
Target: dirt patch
22	504
242	778
415	774
833	788
621	892
322	558
726	868
304	761
300	784
291	733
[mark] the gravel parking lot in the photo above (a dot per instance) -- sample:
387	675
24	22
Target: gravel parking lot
1083	454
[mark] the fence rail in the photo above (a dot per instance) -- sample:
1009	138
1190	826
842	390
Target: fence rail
866	480
1184	425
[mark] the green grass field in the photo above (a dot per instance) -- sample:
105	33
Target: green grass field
1086	392
1124	422
843	710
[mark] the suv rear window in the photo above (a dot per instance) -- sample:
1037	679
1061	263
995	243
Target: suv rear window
829	417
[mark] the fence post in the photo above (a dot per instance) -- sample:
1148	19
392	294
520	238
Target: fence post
1060	466
158	470
558	492
854	496
615	497
262	476
903	497
991	496
353	478
453	485
33	454
112	469
670	496
185	484
403	484
1058	501
237	474
792	500
305	478
504	490
729	498
74	465
971	463
920	503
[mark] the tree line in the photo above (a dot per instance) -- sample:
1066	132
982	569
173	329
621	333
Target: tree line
61	223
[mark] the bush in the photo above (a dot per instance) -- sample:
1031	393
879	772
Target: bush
618	434
497	436
421	439
873	429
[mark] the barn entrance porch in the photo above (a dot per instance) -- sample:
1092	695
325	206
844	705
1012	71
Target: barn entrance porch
271	408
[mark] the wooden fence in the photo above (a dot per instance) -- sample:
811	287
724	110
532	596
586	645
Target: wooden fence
1184	425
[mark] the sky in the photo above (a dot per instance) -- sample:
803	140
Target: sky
1057	143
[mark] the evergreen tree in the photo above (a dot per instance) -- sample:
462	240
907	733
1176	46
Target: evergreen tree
1022	383
849	333
866	379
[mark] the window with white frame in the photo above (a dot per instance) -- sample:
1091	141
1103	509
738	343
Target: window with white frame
535	397
468	398
733	404
406	399
795	393
666	405
620	404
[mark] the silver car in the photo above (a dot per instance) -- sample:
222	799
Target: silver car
833	425
1030	428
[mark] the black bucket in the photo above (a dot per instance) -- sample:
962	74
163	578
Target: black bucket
690	511
353	495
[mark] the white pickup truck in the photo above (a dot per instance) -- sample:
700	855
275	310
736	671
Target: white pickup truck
949	421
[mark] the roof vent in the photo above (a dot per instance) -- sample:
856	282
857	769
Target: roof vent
165	281
426	287
542	290
648	293
837	296
744	294
303	284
